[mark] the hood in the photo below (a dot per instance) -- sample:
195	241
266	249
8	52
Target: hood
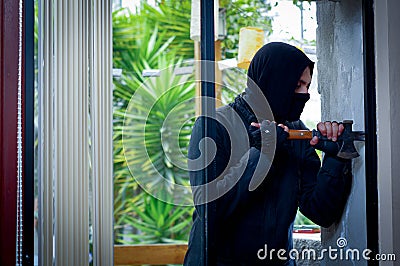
275	70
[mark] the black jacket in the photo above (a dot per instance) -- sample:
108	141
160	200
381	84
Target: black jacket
246	220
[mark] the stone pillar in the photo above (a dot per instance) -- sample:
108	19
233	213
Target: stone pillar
341	85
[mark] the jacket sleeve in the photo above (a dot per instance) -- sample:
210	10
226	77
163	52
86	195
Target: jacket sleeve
232	184
324	190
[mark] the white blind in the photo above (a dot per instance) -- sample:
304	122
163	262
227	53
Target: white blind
75	98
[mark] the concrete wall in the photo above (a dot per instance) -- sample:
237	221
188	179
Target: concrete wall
387	39
340	83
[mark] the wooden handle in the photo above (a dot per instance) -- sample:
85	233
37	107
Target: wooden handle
300	134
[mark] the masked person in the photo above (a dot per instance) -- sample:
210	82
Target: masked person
251	220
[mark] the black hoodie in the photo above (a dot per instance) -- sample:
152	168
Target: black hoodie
275	70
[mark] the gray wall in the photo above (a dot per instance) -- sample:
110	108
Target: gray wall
387	39
340	83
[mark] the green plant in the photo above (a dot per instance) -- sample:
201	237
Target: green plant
130	30
157	129
174	16
155	221
149	219
143	54
161	95
148	39
137	46
146	118
302	220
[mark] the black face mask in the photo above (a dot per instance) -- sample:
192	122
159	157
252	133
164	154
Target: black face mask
275	70
297	106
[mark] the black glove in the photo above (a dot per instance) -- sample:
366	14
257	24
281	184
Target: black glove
328	146
263	138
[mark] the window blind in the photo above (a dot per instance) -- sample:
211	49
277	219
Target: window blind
75	114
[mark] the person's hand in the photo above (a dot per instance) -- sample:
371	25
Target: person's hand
261	135
331	130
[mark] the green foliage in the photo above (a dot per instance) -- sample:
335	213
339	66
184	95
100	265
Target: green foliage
143	53
155	221
129	29
302	220
298	2
145	41
174	17
157	127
